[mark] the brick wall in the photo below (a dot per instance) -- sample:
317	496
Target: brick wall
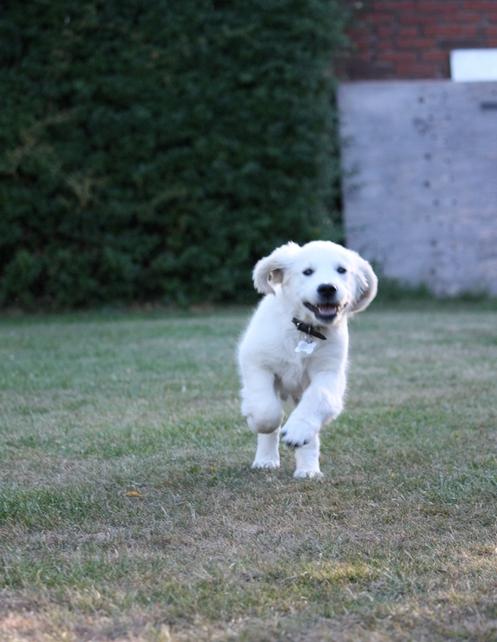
413	38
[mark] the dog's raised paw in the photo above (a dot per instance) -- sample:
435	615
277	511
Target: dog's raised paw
297	436
294	443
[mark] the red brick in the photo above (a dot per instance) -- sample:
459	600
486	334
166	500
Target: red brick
414	20
487	6
363	41
442	7
434	55
413	37
365	70
469	18
414	43
407	32
490	33
459	43
450	31
416	71
382	18
399	6
385	31
396	56
383	6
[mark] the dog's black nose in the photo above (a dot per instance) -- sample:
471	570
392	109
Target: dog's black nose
326	290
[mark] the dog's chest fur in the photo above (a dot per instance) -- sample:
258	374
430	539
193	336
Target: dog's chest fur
292	372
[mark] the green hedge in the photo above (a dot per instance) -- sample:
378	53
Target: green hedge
154	149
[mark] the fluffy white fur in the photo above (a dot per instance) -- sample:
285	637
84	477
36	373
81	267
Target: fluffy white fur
270	368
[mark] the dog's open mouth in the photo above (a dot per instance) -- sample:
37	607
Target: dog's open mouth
323	311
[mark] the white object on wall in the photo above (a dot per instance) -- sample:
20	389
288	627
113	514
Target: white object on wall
473	65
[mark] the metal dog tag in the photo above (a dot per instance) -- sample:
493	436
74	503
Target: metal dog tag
307	347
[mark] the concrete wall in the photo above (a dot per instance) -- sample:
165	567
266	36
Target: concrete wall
420	186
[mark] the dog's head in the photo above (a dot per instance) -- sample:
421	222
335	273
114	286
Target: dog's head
321	280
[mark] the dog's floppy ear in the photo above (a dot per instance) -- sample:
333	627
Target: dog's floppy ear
269	270
366	285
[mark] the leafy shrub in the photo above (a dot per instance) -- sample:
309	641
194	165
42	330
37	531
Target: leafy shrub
154	150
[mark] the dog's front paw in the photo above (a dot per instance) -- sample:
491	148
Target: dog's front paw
265	464
295	435
308	474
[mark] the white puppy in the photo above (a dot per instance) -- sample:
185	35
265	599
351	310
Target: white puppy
296	346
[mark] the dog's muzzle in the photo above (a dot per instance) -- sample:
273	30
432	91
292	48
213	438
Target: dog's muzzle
324	312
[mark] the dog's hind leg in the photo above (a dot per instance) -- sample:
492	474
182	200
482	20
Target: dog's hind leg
261	404
267	454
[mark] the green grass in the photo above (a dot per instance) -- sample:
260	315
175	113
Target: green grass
397	543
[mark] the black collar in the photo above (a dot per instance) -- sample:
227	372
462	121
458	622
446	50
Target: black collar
307	328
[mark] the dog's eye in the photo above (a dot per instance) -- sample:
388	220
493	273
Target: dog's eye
308	272
341	270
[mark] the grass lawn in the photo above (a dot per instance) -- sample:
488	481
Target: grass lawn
128	510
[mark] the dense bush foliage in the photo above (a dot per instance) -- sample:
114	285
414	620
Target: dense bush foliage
154	150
